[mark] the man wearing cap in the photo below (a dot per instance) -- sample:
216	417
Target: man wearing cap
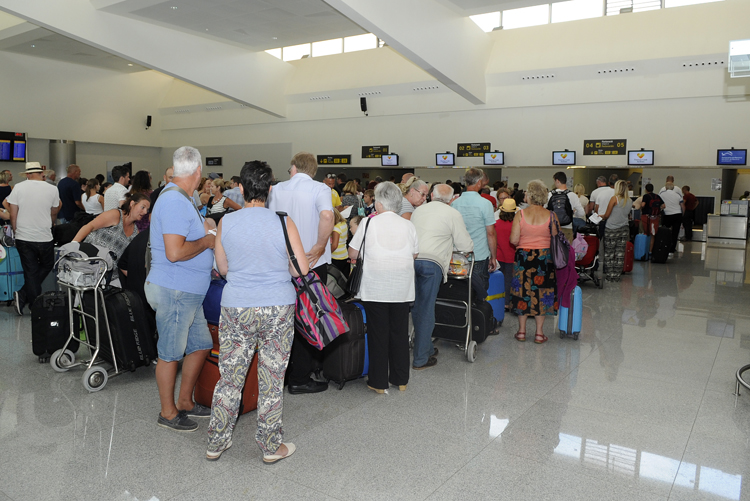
34	205
440	229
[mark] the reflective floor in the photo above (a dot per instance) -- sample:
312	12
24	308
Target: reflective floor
641	407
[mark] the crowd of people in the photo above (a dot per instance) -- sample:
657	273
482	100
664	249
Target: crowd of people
406	232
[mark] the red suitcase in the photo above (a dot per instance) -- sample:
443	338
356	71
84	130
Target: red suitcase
629	256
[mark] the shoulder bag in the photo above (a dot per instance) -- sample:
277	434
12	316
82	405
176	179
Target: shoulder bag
317	315
355	277
558	245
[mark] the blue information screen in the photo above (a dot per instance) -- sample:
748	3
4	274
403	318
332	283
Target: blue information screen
4	150
19	151
732	157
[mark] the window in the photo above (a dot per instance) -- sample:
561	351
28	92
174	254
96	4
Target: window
275	52
680	3
327	47
487	22
526	16
295	52
614	6
576	9
360	42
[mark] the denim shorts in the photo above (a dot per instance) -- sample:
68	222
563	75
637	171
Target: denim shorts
180	322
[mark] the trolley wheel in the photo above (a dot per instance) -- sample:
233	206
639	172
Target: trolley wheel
9	302
575	336
601	280
562	334
95	378
471	352
341	385
43	360
65	360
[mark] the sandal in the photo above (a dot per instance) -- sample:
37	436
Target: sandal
520	336
540	338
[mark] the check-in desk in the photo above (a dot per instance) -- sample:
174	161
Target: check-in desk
731	223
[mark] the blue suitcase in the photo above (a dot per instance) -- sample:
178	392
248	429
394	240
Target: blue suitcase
11	274
496	296
640	251
367	350
570	325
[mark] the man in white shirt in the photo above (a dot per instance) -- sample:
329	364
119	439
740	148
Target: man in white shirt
34	205
114	196
440	229
601	183
601	202
670	179
309	204
560	180
673	208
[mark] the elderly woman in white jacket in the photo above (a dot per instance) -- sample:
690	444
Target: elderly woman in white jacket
387	288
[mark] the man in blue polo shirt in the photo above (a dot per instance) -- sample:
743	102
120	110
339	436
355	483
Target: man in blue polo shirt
480	222
181	262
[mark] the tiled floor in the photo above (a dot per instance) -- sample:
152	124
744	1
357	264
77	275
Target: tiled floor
641	407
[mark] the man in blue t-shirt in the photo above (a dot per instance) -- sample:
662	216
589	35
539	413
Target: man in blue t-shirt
70	195
181	262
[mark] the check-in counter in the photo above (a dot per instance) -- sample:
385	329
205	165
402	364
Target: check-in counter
732	223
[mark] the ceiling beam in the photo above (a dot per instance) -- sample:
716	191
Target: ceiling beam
255	79
447	45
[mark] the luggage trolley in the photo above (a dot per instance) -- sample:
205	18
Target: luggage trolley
461	268
77	282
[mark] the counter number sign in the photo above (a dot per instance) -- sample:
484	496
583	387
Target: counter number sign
472	149
605	146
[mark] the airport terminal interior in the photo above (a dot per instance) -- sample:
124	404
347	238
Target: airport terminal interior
643	405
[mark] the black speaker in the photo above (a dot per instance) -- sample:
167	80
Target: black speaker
148	121
363	104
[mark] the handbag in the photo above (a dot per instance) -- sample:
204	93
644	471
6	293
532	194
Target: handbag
361	208
558	245
8	237
317	315
355	277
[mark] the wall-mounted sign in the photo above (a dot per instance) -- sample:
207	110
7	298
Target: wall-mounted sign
605	146
472	149
334	159
213	161
374	151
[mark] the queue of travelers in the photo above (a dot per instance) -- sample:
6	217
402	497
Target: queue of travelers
407	231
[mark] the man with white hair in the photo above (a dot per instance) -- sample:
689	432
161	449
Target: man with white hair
49	176
440	229
181	262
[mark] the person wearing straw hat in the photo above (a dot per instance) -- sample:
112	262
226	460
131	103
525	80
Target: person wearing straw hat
34	205
506	252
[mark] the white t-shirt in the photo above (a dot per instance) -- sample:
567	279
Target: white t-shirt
34	199
388	274
575	203
114	196
601	197
91	204
584	202
672	201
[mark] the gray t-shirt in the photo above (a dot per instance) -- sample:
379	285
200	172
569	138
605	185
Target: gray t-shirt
406	206
619	215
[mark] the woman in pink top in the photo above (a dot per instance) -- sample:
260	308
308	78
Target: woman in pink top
533	286
506	253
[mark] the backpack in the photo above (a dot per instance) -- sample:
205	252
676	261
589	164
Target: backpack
559	203
654	204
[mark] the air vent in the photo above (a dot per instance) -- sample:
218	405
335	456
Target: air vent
421	89
182	111
319	98
538	77
369	93
616	70
213	108
702	64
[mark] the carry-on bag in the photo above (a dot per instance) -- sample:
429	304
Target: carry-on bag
570	325
627	266
662	243
367	349
209	376
640	248
212	301
450	319
11	274
337	283
134	343
50	325
344	358
496	296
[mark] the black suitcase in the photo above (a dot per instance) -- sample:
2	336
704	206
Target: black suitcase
344	358
134	342
454	317
50	325
662	243
455	289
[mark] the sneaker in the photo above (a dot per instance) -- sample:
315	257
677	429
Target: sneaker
18	304
179	423
199	410
213	456
431	362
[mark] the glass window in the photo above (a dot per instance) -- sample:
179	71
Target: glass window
360	42
680	3
275	52
576	9
294	52
487	22
526	16
644	5
327	47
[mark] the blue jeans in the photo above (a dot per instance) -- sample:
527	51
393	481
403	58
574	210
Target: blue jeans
428	276
480	278
180	321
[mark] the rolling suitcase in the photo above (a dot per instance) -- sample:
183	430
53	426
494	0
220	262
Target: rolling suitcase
11	274
570	325
627	266
367	349
344	358
496	296
662	242
454	317
50	325
640	248
209	376
134	342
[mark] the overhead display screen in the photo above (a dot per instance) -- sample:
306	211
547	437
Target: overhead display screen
12	147
641	157
444	159
494	158
389	159
731	157
563	158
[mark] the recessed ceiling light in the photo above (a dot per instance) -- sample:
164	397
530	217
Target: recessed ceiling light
206	29
274	38
173	7
130	64
33	46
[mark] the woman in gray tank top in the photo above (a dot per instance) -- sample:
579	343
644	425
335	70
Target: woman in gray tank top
617	232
